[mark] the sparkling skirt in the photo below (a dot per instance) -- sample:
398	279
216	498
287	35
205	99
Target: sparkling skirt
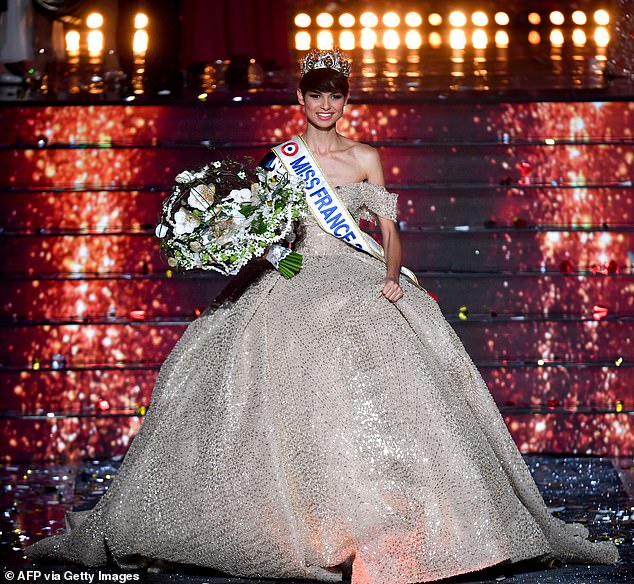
311	422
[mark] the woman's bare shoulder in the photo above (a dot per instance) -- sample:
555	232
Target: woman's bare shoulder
362	151
365	159
369	160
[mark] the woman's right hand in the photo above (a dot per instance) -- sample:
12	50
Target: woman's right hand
392	290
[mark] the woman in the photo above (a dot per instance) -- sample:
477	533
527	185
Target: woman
329	421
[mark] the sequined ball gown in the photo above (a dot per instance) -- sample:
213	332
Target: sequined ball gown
311	421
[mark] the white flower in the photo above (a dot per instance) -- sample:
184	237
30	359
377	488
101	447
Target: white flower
240	195
197	202
161	230
201	197
217	164
296	182
186	222
225	238
274	178
184	177
255	189
242	174
195	246
236	216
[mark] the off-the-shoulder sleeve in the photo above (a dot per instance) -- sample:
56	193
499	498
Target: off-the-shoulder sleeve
377	200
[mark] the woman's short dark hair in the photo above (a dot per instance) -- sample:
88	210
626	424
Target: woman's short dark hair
325	80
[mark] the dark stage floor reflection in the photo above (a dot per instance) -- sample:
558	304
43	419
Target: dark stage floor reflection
521	67
594	491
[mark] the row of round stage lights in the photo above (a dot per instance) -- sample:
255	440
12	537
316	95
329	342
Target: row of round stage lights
95	36
391	39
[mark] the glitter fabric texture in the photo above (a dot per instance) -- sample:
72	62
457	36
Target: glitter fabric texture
311	421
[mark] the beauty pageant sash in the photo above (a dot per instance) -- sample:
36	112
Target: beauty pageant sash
323	201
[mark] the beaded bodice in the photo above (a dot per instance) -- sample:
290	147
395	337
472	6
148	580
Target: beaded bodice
364	201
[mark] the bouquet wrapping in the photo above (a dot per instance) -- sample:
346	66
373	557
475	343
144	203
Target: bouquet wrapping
224	214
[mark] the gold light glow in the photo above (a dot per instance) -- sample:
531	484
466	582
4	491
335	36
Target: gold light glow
368	39
141	20
369	20
557	18
391	19
556	37
602	18
457	19
479	39
94	20
95	41
325	20
434	19
501	18
579	37
534	18
140	42
325	40
435	40
346	40
457	39
413	40
72	41
479	18
579	17
601	37
346	20
534	38
413	19
391	39
302	20
501	39
302	40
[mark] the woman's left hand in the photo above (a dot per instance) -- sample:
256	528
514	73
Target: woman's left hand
392	290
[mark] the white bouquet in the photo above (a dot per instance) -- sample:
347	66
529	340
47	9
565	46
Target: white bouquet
223	214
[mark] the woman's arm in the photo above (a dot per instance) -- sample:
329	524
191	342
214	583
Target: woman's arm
392	246
389	232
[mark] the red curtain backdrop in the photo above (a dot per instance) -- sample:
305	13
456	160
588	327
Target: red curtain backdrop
221	28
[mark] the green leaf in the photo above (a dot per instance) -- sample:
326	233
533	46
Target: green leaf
248	210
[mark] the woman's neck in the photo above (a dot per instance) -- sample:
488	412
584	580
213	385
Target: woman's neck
321	141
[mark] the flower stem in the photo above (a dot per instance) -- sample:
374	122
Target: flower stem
290	265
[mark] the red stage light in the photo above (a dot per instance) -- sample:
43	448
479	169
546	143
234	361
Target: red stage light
599	311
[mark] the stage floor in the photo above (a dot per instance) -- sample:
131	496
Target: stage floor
594	491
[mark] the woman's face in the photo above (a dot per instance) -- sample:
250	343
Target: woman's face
322	109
